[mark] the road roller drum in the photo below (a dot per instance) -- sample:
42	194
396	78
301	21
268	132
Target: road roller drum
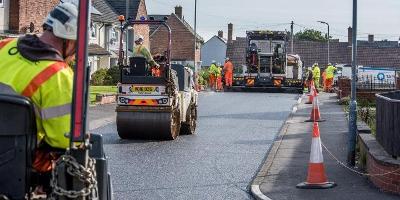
147	124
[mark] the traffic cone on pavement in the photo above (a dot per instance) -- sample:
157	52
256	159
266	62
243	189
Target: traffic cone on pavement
315	114
316	178
311	94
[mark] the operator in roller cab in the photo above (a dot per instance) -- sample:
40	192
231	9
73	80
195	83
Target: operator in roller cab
37	67
141	51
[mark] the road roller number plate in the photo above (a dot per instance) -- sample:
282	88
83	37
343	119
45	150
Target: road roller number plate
143	90
143	101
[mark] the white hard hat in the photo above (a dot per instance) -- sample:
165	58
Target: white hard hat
227	58
139	38
63	20
213	61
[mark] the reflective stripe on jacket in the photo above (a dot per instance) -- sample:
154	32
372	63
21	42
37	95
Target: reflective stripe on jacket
316	73
48	84
213	70
330	71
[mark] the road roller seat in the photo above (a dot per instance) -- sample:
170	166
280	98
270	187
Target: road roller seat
138	66
17	143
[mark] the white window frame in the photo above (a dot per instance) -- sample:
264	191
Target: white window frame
93	29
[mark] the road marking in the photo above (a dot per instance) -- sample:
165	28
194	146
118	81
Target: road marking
255	189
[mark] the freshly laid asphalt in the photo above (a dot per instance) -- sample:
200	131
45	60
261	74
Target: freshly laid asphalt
235	131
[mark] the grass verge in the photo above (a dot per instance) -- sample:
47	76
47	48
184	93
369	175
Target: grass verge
94	90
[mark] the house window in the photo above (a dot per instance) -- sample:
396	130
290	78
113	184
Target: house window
93	30
2	3
113	36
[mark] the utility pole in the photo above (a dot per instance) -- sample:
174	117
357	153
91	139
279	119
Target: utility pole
195	34
291	32
353	104
328	45
326	23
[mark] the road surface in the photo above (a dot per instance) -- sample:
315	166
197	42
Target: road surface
235	131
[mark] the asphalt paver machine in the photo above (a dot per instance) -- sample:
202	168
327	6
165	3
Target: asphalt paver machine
154	107
81	173
268	66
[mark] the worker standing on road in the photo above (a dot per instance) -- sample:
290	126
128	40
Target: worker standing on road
309	78
316	75
324	80
141	51
37	67
330	73
212	71
228	69
219	78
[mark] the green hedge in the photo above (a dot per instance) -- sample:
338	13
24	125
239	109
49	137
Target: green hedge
106	76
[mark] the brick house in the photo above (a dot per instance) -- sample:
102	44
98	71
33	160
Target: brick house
370	53
183	49
26	16
137	10
105	32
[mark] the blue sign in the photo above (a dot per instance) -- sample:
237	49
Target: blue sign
381	76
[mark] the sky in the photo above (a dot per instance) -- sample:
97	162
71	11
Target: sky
378	17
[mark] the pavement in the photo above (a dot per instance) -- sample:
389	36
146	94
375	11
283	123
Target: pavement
101	115
286	163
234	133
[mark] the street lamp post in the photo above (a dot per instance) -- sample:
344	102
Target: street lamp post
195	34
322	22
353	104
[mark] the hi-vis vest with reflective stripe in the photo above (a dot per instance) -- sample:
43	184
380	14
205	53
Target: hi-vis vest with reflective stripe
48	84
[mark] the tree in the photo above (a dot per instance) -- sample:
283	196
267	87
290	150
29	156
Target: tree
311	35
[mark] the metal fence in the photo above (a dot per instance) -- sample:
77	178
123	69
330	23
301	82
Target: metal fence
388	122
370	82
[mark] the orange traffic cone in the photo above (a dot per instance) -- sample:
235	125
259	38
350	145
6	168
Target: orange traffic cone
316	178
315	114
311	94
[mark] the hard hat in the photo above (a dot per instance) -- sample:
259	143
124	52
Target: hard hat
329	64
227	58
139	38
63	20
213	61
309	68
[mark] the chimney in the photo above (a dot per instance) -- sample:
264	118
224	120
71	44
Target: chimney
230	32
178	11
221	34
350	35
370	38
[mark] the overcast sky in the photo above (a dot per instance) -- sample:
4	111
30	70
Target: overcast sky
378	17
